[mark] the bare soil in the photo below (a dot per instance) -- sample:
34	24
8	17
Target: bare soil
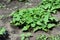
15	32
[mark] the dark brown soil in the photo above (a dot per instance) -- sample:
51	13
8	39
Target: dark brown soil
15	32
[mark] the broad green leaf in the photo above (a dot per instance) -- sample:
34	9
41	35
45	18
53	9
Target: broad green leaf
53	18
29	20
44	27
17	24
2	31
33	25
46	18
25	28
39	23
36	28
22	38
55	11
51	25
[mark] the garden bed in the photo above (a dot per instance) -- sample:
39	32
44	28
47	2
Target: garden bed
15	32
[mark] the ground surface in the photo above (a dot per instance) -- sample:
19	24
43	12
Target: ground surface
15	32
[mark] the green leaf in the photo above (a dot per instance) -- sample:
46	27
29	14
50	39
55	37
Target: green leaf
53	18
2	31
50	25
39	23
44	27
55	11
23	38
46	18
36	28
25	28
17	24
29	20
33	25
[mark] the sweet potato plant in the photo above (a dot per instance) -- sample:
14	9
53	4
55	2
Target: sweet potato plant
3	32
36	18
25	37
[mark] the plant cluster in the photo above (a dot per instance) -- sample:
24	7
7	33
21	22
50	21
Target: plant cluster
3	33
41	37
44	37
50	5
39	17
25	37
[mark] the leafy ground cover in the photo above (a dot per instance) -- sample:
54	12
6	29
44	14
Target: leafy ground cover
25	37
3	33
39	17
